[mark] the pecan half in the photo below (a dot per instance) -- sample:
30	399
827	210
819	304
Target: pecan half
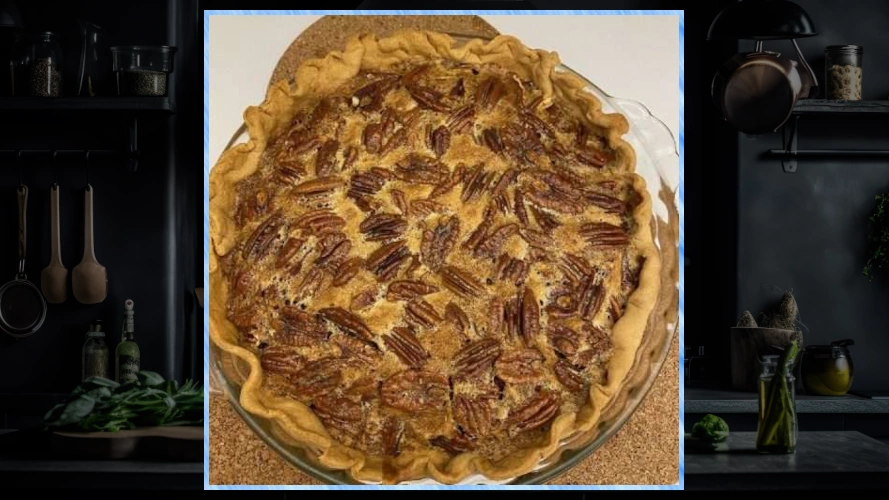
535	238
440	141
363	299
424	208
422	313
568	376
535	412
406	346
347	270
602	235
455	445
609	204
371	95
575	267
475	183
291	247
421	170
349	156
350	347
563	339
260	241
478	234
416	391
518	207
493	242
385	260
520	367
591	299
593	158
563	304
511	270
333	249
400	200
395	141
457	317
474	416
489	93
546	221
496	316
348	322
281	361
318	186
368	183
318	222
475	358
428	98
629	274
554	200
491	139
456	177
325	161
312	281
393	431
295	327
461	119
409	290
340	413
318	377
530	317
458	90
382	227
460	282
615	309
437	243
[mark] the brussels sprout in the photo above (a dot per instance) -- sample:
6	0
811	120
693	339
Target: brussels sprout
711	428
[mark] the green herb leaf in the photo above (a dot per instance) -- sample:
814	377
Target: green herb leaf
878	238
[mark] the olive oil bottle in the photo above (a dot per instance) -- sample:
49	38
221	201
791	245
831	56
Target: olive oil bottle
126	357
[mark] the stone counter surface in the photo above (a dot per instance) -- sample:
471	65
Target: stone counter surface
704	400
822	459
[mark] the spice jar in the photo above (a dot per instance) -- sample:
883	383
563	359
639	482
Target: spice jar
44	75
777	428
95	353
842	65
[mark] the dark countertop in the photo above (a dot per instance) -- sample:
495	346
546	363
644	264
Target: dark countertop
711	400
822	459
33	472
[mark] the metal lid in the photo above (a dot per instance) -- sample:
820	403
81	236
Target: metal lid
95	334
844	49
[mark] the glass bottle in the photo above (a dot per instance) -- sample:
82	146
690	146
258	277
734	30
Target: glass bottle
126	367
842	67
94	355
777	429
45	65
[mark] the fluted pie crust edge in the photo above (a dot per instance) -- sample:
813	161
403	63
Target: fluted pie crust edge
322	76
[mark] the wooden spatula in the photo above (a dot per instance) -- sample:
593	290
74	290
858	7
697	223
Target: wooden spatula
54	278
89	279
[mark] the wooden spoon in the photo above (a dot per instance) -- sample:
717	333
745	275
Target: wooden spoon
54	278
89	279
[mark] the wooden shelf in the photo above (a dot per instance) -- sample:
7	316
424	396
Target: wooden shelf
110	103
820	106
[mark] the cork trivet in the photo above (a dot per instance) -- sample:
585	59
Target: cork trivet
644	451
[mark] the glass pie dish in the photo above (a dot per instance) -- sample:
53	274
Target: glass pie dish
657	162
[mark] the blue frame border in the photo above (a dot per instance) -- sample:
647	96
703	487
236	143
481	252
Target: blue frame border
681	207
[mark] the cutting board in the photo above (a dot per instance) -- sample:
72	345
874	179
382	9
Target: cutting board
180	444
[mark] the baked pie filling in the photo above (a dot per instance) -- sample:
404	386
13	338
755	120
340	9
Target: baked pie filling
432	259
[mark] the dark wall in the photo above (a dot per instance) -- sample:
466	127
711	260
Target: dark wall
807	230
147	222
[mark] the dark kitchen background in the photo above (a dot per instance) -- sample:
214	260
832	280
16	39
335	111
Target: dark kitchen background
147	213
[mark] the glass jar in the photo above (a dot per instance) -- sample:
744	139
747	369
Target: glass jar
842	66
44	65
142	70
827	370
94	353
777	429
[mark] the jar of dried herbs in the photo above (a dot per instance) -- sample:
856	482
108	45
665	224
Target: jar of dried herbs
95	353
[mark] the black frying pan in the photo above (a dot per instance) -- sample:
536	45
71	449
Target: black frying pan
22	308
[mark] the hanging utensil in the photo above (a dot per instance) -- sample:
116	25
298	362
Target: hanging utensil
22	308
54	278
89	280
756	91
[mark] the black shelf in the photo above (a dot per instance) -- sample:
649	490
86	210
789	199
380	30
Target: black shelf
820	106
110	103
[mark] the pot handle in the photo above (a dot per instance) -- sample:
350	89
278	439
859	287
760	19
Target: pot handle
22	192
813	88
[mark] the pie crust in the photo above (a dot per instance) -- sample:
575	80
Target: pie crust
620	281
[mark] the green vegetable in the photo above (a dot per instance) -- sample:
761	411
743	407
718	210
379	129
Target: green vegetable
777	426
99	404
711	429
878	236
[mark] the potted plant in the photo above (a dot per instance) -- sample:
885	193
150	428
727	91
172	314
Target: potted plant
878	237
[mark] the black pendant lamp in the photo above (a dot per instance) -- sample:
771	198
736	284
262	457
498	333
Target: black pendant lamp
762	20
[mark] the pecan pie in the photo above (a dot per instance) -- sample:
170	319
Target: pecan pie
436	260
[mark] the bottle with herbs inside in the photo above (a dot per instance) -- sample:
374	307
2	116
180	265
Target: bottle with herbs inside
94	355
126	366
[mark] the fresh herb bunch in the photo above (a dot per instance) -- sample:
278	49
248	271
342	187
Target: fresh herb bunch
99	404
878	236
